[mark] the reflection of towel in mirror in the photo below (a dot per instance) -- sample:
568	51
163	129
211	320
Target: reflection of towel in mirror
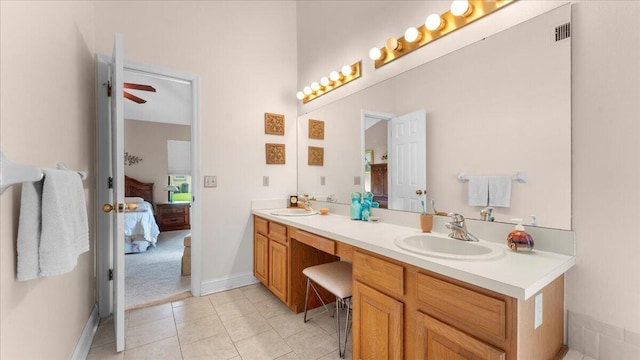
478	190
500	191
53	228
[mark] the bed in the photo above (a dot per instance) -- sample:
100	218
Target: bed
140	227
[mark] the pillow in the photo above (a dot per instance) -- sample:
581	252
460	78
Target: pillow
133	199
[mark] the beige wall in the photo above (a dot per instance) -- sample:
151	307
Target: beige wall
47	115
148	140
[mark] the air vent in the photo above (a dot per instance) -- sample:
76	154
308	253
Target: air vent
563	31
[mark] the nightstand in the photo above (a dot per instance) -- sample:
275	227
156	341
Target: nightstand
173	216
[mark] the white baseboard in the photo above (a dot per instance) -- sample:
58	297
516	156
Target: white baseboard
84	343
227	283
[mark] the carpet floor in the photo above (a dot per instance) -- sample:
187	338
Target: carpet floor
155	275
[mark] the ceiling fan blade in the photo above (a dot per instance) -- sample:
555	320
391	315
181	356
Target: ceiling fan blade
134	98
139	87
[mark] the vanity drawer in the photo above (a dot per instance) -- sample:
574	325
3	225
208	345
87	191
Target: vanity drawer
277	232
378	273
316	241
344	251
261	225
465	308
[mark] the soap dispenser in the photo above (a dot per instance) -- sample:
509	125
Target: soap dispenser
519	240
356	206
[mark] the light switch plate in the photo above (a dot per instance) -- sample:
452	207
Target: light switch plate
322	181
210	181
356	180
265	181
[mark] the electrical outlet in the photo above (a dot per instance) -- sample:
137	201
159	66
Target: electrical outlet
356	180
322	181
265	181
210	181
537	321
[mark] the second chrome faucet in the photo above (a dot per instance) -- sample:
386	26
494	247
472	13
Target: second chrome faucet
458	228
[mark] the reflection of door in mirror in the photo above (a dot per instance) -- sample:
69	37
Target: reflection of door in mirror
402	141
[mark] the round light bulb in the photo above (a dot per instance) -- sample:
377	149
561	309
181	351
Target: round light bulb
460	8
434	22
412	35
300	95
334	76
375	54
346	70
324	81
306	90
315	86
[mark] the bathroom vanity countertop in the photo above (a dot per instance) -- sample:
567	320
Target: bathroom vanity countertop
519	275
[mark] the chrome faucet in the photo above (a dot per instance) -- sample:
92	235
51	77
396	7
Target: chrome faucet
485	214
459	228
306	202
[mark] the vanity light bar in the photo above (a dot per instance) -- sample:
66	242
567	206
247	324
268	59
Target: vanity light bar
449	22
335	79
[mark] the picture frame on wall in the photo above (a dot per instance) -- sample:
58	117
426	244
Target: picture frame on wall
273	124
368	160
316	129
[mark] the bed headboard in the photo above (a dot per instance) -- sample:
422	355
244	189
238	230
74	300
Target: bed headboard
133	187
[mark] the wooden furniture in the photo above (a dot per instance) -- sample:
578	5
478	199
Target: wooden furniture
135	188
173	216
281	253
401	311
379	184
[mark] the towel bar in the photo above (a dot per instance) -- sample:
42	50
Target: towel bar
520	176
12	173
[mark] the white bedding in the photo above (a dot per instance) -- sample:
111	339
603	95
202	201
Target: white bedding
140	229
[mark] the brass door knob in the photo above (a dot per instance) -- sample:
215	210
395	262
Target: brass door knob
419	192
119	207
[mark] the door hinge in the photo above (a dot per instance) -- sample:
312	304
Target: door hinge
110	182
110	274
108	88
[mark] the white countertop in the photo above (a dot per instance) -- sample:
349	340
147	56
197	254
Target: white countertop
519	275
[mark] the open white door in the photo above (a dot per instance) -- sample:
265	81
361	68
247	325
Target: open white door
407	165
111	166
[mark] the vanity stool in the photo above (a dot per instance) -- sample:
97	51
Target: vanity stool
336	278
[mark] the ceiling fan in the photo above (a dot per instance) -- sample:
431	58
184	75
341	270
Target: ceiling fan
137	87
134	87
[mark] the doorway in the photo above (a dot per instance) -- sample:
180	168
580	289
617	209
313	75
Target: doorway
105	253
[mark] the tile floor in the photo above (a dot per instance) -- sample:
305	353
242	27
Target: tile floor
245	323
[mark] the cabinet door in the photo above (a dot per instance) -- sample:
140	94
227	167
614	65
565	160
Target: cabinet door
261	258
437	340
377	324
278	269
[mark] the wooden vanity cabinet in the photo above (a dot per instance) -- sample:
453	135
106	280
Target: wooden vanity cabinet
435	317
270	256
280	253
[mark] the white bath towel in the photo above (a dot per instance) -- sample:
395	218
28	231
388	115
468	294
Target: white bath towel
478	190
500	191
56	220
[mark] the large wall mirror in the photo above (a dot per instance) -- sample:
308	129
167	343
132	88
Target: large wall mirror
494	108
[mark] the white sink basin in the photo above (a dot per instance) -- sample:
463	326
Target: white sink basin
293	212
442	246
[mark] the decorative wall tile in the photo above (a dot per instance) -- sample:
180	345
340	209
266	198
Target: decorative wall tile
316	129
273	124
276	154
316	156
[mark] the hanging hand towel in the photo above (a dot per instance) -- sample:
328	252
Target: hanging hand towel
53	228
478	190
29	228
500	191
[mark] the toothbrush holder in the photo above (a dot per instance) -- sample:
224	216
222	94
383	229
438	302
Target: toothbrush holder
426	222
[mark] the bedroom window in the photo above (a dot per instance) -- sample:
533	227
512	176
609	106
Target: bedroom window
183	182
